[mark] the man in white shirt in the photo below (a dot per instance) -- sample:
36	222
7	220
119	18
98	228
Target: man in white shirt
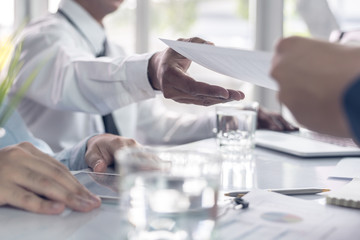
75	87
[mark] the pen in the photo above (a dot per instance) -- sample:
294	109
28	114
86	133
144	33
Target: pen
292	191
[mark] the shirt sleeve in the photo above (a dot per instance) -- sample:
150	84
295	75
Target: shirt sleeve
351	104
169	127
71	78
17	132
74	158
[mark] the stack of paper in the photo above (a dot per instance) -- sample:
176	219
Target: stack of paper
347	196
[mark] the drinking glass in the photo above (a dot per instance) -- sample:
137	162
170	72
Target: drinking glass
236	125
169	194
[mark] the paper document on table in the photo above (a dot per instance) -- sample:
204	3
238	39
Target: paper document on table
347	196
348	168
248	66
275	216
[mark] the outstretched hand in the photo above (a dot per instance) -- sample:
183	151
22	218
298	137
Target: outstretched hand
167	72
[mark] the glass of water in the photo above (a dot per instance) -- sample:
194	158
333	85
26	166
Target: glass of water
236	125
169	194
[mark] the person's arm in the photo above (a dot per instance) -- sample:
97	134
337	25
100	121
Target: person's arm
163	126
313	76
73	79
96	152
167	72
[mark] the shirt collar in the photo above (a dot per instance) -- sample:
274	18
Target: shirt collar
92	30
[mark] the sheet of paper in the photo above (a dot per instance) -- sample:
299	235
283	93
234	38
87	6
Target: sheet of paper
347	168
248	66
274	216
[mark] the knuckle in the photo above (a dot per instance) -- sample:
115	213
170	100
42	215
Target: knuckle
57	172
26	199
117	141
26	145
70	197
12	152
131	142
44	182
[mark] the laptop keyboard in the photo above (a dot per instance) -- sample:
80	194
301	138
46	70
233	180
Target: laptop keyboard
343	142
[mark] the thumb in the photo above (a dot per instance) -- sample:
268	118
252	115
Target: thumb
99	166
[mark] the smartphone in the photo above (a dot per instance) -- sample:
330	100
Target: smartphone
104	185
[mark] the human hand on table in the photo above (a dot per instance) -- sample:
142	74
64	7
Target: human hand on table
101	149
273	121
34	181
167	72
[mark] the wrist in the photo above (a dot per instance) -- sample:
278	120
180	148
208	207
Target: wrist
152	71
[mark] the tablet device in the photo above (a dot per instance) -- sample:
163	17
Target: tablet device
306	144
104	185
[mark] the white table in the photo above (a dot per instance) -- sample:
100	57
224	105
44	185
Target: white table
266	169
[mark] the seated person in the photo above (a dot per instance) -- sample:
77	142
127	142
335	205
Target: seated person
85	77
34	179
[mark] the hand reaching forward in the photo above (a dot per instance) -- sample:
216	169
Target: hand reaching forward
101	149
167	72
34	181
313	76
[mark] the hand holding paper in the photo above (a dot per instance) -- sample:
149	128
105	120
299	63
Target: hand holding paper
249	66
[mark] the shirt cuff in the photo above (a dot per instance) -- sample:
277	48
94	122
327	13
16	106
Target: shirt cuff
74	158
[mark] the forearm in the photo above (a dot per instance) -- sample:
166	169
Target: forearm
74	80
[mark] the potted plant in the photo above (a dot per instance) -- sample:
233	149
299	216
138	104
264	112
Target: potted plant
8	73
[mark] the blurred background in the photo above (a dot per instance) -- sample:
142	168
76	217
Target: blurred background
245	24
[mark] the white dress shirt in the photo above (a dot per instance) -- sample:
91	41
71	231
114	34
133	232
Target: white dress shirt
73	87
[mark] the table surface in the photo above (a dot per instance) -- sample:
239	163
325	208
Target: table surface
265	169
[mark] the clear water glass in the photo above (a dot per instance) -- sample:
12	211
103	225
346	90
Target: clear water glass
235	126
169	194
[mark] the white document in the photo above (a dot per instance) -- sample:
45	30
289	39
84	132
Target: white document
248	66
347	168
275	216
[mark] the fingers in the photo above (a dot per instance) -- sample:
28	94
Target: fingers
286	125
195	40
21	198
101	150
275	122
31	177
54	169
99	166
50	188
189	89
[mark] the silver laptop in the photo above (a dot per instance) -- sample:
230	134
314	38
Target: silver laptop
305	143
